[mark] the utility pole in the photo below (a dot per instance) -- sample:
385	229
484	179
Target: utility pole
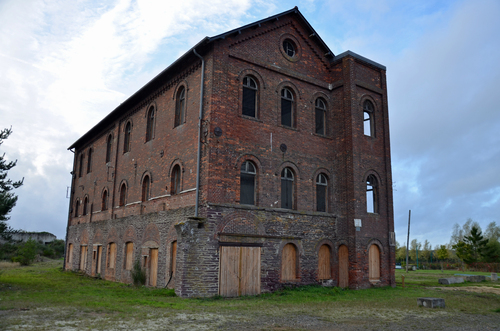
408	240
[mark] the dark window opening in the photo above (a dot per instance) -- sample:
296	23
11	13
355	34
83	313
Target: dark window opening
89	161
109	144
289	47
150	124
176	180
287	188
249	97
247	183
85	205
145	189
77	207
123	195
126	141
180	106
320	115
321	192
80	166
104	203
287	108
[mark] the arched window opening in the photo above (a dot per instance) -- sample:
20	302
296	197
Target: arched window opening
320	116
89	161
123	195
80	166
129	255
175	184
287	108
287	195
180	106
374	263
145	188
85	205
150	123
77	207
368	118
321	193
249	107
104	202
109	145
289	263
371	194
324	265
247	183
126	141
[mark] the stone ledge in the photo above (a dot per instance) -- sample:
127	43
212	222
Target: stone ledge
431	302
451	280
476	279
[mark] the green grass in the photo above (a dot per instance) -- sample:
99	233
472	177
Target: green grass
45	285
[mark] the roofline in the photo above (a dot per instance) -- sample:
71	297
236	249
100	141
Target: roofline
359	57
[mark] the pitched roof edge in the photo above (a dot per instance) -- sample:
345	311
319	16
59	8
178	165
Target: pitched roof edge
359	57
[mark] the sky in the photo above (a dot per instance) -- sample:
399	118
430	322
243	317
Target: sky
64	65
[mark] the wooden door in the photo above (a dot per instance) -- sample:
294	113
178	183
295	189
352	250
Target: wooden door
239	271
343	266
173	263
374	263
153	270
324	267
289	263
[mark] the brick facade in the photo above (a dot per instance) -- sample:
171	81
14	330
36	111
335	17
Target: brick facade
342	153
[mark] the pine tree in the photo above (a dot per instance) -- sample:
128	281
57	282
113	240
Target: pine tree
7	198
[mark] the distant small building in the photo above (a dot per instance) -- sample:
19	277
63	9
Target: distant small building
43	237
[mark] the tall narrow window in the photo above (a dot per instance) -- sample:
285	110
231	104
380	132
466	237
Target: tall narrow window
111	255
320	115
287	115
145	188
129	255
77	207
80	167
109	144
247	183
324	266
289	263
85	205
175	184
126	140
371	194
89	161
249	97
104	203
368	119
287	188
150	124
321	192
180	106
69	257
123	195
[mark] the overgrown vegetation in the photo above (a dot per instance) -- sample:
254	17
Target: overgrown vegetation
14	251
138	274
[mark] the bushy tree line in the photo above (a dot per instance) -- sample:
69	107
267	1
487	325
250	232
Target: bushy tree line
26	252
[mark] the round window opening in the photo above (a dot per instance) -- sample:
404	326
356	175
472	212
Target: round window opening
289	47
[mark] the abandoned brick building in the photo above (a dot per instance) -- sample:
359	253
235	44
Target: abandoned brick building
257	160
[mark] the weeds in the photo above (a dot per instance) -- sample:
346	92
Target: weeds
138	274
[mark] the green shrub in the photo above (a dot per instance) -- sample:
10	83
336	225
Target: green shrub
138	274
26	253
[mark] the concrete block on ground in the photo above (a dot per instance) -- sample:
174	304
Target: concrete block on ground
494	277
431	302
451	280
476	279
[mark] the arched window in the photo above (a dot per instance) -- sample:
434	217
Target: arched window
371	194
175	185
320	115
109	145
129	255
104	202
126	140
287	200
145	188
247	183
89	161
321	192
249	107
77	207
85	205
123	195
180	106
368	127
324	265
289	263
374	263
150	124
287	108
80	167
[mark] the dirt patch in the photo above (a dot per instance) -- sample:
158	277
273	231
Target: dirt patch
476	289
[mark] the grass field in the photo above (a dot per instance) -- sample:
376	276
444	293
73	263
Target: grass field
43	297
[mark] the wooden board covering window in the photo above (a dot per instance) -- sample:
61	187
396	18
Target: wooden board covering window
324	268
174	257
129	254
374	263
239	271
289	263
343	266
153	271
83	257
112	256
98	260
69	257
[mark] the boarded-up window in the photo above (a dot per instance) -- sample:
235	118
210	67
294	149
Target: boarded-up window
247	183
287	188
173	260
343	266
239	271
150	123
249	97
83	257
129	255
324	266
97	259
153	270
111	255
321	192
69	257
368	127
180	106
176	180
289	263
287	116
320	116
374	263
145	188
109	144
123	195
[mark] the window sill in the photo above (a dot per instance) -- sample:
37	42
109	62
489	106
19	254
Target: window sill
288	127
322	136
255	119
